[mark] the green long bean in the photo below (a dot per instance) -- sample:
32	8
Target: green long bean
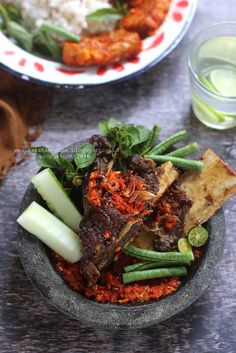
184	151
47	27
157	273
178	162
146	265
170	141
151	255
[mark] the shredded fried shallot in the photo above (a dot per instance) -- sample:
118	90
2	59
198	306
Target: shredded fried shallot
125	191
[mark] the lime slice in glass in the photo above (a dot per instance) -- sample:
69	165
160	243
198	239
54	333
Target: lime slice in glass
224	80
210	114
183	245
221	48
198	236
208	84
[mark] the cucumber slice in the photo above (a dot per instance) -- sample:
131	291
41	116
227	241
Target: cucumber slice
51	231
224	81
52	191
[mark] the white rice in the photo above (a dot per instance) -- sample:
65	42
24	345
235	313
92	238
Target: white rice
67	14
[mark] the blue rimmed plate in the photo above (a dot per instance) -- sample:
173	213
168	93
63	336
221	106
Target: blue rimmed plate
155	48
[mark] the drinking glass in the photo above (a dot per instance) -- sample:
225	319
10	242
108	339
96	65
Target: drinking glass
212	66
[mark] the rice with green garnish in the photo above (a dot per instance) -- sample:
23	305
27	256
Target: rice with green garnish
67	14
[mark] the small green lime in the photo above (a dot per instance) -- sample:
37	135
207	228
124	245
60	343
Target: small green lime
197	236
183	245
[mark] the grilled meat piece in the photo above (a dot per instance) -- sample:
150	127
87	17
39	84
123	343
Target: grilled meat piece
103	152
115	205
104	231
145	16
146	169
103	49
103	155
208	190
162	176
168	218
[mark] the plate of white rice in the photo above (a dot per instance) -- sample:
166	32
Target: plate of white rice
71	15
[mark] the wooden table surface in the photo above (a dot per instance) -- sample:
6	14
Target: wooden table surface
29	324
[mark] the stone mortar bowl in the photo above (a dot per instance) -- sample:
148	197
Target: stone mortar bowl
39	268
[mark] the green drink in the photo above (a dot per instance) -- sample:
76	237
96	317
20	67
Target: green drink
212	63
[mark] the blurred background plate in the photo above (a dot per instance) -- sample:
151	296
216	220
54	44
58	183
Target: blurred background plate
155	48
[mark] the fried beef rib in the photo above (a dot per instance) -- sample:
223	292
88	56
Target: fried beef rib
116	204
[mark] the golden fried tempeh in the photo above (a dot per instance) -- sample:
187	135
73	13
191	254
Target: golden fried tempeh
145	16
103	49
207	190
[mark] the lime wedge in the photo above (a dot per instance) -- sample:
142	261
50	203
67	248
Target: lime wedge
224	80
183	245
198	236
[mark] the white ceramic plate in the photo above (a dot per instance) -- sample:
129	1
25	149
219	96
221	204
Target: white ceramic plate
155	48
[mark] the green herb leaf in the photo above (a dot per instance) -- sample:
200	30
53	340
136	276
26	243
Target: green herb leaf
126	138
14	13
106	125
106	15
64	163
143	133
4	14
19	33
129	137
85	155
152	139
44	157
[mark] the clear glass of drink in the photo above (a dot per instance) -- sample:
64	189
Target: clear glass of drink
212	65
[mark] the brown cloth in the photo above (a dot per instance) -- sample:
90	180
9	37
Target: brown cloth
21	106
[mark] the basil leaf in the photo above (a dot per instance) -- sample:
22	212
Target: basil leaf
143	133
44	157
19	33
64	163
106	15
85	155
132	136
106	125
127	139
150	142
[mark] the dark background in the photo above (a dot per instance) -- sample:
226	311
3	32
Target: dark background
29	324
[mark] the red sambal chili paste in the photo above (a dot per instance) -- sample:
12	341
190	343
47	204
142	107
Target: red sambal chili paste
124	191
110	288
